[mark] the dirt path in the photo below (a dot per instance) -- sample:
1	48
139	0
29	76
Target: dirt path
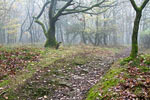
67	79
124	53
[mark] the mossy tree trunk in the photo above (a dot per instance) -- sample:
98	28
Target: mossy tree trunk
134	51
49	34
138	10
51	39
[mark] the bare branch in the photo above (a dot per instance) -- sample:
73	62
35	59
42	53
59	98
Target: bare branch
63	8
144	4
43	8
40	14
91	13
84	10
134	5
42	25
81	7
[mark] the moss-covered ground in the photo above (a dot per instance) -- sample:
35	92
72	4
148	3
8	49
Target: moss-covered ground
127	79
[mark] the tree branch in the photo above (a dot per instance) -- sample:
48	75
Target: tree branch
81	7
52	9
134	5
84	10
59	13
42	25
91	13
43	8
144	4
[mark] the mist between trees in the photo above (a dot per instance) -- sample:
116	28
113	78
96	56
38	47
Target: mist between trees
96	22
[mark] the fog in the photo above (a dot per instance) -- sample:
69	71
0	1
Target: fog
75	49
109	24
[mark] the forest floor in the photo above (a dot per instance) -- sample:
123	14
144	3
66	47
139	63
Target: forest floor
65	74
47	74
127	79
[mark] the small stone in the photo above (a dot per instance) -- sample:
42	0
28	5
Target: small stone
6	98
45	97
40	98
1	88
48	70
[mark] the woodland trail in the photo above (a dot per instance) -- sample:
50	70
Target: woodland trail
69	78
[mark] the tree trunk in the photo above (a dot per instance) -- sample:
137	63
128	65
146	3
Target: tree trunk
105	39
61	33
97	33
51	39
134	51
83	39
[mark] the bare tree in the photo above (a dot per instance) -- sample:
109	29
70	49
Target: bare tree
54	16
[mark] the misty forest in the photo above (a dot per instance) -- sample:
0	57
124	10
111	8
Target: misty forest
74	49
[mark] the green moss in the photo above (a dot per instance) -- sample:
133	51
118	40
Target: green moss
93	93
125	60
108	81
50	43
4	83
37	92
137	90
146	59
134	50
80	60
144	68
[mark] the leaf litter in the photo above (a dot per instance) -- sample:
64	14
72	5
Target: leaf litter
67	79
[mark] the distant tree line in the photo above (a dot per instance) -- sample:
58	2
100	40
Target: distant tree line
96	22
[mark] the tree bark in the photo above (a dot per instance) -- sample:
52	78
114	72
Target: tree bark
51	39
138	10
134	50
